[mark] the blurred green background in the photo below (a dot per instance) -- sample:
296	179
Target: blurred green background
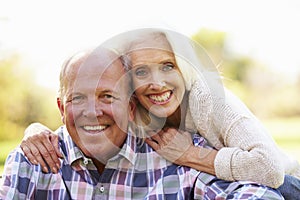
271	97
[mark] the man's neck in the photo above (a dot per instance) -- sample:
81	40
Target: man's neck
99	165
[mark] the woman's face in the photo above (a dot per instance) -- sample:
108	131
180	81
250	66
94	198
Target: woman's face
158	83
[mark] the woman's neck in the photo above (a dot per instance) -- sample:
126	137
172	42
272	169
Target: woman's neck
177	119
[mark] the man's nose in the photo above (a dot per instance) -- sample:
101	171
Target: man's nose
93	109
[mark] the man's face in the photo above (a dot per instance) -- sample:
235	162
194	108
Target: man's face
96	108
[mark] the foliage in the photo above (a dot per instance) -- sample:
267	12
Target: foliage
22	101
266	93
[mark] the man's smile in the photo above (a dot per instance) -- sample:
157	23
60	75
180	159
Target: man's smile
94	128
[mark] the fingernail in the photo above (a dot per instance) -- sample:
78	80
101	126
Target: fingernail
54	170
45	169
57	165
35	162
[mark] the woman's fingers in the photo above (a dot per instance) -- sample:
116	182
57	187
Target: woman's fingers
27	152
43	149
54	141
170	143
33	154
152	143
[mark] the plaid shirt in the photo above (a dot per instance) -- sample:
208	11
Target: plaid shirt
137	172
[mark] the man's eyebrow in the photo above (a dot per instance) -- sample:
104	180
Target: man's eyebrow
70	94
107	91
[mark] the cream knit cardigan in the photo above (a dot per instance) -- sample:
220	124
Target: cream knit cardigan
245	149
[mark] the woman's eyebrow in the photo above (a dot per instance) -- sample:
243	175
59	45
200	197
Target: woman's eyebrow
140	65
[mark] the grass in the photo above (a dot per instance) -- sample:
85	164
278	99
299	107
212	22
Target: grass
286	133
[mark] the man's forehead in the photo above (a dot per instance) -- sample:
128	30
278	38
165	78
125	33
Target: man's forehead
97	86
94	64
101	75
107	78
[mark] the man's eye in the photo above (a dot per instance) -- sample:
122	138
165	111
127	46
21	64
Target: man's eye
76	99
108	98
167	67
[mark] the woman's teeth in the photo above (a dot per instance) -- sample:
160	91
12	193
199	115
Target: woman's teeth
160	98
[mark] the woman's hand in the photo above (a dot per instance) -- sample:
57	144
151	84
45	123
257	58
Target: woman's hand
40	146
177	147
172	144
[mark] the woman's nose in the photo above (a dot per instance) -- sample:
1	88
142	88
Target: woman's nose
157	85
157	81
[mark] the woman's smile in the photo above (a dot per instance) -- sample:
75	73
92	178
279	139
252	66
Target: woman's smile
161	98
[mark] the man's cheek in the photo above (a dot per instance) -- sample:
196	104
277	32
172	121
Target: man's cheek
120	116
70	116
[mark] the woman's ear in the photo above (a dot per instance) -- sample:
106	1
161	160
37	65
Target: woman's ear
61	108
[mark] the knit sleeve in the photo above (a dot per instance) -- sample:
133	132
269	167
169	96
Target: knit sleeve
249	155
246	152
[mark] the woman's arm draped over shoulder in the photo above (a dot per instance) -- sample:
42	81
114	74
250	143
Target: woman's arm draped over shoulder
40	145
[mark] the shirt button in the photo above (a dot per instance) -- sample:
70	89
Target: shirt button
101	189
85	161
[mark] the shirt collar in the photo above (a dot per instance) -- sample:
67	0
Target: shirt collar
125	158
70	150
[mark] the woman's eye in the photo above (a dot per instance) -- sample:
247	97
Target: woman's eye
167	67
141	72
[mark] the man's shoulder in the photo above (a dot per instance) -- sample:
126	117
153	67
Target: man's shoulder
18	164
64	138
61	131
17	156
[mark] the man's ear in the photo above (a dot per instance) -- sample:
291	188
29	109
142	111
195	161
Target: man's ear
132	108
61	108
